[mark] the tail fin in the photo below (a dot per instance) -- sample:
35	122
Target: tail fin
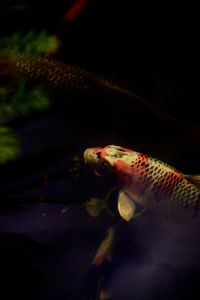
9	77
105	248
195	179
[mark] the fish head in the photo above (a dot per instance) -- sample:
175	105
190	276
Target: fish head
96	159
109	159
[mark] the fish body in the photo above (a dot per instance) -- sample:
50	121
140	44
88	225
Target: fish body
52	74
56	75
146	181
64	78
86	93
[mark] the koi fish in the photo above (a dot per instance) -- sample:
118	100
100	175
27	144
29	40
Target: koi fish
102	95
145	181
65	78
56	75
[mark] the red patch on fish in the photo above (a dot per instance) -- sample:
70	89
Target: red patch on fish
123	172
122	166
100	150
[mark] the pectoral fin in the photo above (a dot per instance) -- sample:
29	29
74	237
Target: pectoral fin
126	206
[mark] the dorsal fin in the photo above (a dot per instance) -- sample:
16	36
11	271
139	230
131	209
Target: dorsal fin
195	179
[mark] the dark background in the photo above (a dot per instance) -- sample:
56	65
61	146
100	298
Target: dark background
151	48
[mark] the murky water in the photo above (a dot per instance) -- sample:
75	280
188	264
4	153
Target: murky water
48	239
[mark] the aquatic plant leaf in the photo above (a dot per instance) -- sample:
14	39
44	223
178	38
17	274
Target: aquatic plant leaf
9	145
22	102
17	100
31	42
37	99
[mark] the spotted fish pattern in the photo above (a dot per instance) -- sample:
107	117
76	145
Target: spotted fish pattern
53	74
63	78
148	181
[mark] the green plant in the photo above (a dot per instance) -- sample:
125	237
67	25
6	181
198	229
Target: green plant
9	144
22	100
31	42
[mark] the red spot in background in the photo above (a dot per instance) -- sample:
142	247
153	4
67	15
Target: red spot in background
75	9
99	260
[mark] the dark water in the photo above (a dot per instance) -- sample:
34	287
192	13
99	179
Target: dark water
47	254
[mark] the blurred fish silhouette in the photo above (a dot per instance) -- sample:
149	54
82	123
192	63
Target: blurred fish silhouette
65	78
101	96
99	100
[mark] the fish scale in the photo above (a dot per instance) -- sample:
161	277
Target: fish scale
52	74
65	78
59	77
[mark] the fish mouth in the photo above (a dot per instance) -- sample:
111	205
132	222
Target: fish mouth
89	156
100	167
91	160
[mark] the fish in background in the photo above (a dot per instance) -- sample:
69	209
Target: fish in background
95	96
96	105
